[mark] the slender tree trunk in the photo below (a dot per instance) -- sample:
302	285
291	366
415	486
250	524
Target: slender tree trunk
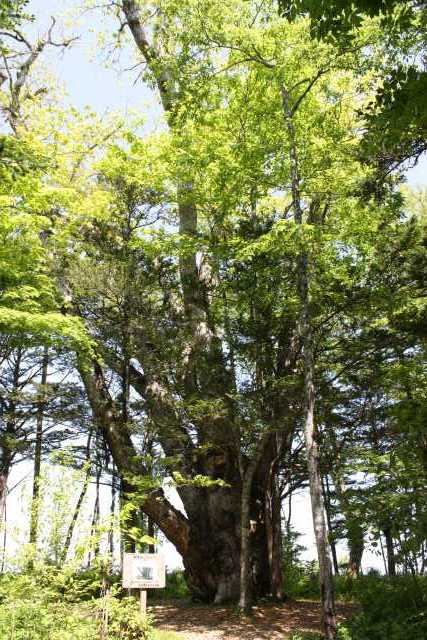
273	505
327	500
112	513
383	555
6	452
355	532
4	536
151	531
95	522
391	562
80	499
289	518
247	474
310	431
246	590
275	559
4	474
35	501
317	506
356	545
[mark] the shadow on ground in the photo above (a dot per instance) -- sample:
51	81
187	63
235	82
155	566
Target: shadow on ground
269	622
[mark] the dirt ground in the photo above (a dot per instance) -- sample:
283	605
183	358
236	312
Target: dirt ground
270	622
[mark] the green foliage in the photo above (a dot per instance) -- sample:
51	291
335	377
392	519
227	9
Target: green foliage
49	604
203	323
124	620
176	587
296	572
12	13
338	18
197	481
31	610
397	121
392	609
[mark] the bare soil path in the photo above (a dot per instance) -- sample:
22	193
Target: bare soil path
269	622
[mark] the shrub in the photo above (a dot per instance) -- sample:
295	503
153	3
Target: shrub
124	621
50	604
392	609
176	587
28	614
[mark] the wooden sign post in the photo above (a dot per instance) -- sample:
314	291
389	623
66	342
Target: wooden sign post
143	571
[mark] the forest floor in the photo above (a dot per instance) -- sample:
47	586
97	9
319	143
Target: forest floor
268	622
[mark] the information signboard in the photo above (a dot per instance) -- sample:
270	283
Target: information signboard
144	571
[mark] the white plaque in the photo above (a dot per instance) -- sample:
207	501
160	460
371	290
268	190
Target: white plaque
144	571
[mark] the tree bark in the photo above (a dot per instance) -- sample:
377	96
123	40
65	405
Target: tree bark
246	595
79	502
35	501
94	541
129	466
273	523
311	435
391	562
355	533
209	536
249	527
6	451
327	501
356	546
4	474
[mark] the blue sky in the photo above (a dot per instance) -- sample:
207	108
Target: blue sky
89	81
82	67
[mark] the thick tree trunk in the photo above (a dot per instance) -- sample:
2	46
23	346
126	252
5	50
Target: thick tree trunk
211	560
209	535
256	555
311	436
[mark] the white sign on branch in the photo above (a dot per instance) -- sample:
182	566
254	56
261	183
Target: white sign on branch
144	571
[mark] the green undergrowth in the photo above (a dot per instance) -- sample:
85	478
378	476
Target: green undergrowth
64	604
175	589
53	604
391	609
50	603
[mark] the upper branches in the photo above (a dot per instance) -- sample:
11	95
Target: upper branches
18	59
